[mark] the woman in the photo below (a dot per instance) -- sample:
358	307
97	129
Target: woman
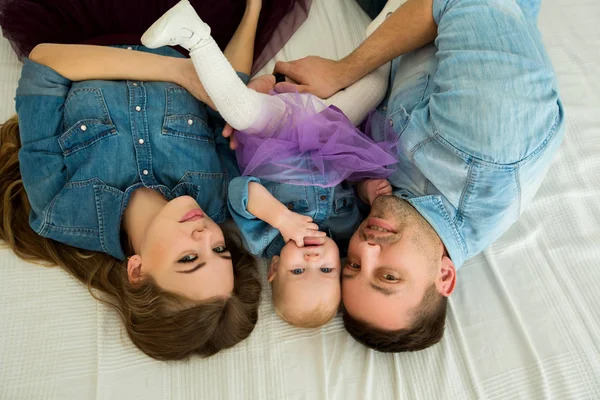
119	176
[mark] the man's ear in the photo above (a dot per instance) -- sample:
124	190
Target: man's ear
273	268
134	269
447	277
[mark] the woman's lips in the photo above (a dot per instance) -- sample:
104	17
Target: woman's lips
193	215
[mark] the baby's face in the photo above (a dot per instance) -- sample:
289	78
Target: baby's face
307	276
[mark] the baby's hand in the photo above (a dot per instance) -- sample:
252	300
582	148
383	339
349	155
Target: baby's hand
370	189
296	227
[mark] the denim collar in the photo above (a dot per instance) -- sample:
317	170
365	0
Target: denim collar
433	210
109	199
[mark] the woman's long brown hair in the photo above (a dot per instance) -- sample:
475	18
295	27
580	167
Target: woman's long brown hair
160	324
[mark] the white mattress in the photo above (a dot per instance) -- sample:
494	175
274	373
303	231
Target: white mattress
524	322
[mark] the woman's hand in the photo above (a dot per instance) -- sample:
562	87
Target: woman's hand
189	80
261	84
296	227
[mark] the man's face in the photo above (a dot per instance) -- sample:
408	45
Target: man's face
389	267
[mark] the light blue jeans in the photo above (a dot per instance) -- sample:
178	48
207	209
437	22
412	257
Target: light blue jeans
478	118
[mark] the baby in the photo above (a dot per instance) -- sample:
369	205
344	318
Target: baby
297	204
288	223
275	132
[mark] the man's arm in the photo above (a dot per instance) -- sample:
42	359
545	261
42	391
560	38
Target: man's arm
410	27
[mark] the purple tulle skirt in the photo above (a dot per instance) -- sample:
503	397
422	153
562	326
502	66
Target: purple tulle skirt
310	147
27	23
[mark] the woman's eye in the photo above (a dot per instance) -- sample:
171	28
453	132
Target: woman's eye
390	277
352	266
189	258
220	249
298	271
326	270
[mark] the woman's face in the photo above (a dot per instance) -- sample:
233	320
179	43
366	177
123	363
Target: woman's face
184	251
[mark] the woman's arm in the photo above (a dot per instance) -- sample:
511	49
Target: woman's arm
85	62
240	49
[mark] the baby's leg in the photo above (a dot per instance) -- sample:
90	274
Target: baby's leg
243	108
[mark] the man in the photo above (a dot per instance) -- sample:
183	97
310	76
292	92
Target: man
478	118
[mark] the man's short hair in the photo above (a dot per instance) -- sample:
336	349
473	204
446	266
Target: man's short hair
426	330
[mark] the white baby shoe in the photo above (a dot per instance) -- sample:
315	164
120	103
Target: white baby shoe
181	26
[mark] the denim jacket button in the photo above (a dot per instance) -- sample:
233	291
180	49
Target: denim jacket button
391	123
83	128
141	141
190	122
323	198
130	48
138	108
145	172
290	206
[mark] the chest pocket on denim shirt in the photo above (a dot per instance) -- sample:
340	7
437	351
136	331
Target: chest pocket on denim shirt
209	190
292	196
86	120
406	95
343	205
185	116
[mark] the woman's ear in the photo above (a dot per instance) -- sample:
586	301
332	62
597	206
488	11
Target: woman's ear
273	268
134	269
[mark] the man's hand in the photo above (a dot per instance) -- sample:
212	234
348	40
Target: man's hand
296	227
319	76
371	189
261	84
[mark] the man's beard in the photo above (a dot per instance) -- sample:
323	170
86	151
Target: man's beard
395	211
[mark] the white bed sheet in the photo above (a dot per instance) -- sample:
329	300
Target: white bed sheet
524	322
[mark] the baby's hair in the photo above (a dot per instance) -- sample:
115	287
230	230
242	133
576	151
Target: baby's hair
314	318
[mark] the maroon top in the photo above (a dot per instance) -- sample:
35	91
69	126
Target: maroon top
27	23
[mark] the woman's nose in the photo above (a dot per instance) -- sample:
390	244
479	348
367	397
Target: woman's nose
197	232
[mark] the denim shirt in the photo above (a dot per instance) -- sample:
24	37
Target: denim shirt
334	210
86	146
473	149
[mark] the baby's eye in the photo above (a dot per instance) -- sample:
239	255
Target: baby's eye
298	271
220	249
326	270
189	258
